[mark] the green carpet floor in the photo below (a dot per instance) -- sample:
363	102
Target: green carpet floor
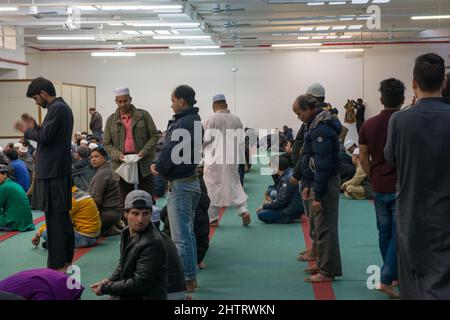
254	263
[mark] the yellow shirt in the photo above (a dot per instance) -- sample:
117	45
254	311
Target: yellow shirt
84	214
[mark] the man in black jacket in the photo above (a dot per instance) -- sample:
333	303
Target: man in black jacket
142	271
52	191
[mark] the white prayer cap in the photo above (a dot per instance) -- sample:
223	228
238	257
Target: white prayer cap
92	146
356	152
17	145
348	144
219	97
84	142
121	91
23	149
1	149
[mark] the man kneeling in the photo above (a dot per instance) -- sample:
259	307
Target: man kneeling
142	270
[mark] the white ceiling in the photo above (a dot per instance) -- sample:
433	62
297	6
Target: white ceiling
233	25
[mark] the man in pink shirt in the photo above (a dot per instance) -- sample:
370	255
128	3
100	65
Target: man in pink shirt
131	131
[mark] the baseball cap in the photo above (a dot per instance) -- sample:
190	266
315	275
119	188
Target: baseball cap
138	199
3	168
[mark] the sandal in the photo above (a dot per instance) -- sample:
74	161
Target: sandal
318	278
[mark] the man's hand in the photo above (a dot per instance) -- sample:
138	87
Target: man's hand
97	287
344	187
293	181
21	126
141	155
317	206
29	120
153	170
305	194
121	157
36	239
258	210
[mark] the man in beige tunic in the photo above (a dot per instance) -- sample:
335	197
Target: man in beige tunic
224	151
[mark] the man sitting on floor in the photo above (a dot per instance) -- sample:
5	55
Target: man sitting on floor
82	171
287	205
85	218
104	189
15	210
42	284
357	188
142	270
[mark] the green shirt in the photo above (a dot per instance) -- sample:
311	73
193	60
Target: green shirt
15	210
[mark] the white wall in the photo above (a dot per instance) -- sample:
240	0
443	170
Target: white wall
261	92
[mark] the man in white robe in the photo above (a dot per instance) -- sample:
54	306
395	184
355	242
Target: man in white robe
224	150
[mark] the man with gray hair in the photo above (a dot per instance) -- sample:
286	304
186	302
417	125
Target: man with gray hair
130	131
221	172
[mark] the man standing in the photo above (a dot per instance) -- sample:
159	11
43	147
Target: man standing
321	184
417	146
52	186
96	124
142	270
221	172
129	131
372	139
177	163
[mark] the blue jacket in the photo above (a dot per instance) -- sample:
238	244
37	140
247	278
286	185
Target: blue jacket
320	158
183	122
288	198
21	174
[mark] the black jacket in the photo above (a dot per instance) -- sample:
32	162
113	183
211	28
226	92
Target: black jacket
142	271
82	174
53	156
186	119
175	277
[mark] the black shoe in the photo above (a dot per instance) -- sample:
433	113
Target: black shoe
44	245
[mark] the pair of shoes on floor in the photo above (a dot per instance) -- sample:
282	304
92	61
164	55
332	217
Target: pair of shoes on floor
312	269
246	219
191	285
389	290
307	257
319	278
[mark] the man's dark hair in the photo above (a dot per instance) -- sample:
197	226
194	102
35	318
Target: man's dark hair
446	91
41	84
12	154
429	72
306	102
187	93
101	151
83	152
359	100
393	92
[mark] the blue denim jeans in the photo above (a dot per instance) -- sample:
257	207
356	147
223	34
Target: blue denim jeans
182	201
269	216
80	240
385	209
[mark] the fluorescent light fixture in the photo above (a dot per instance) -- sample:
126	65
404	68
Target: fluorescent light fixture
130	32
86	8
322	28
287	45
202	53
163	32
317	37
348	36
113	54
337	3
340	50
193	47
316	3
355	27
165	24
59	38
380	1
180	37
115	24
303	38
331	37
339	28
147	32
359	1
363	17
430	17
156	7
9	8
306	28
168	10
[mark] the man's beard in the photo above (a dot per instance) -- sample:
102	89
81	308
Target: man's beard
43	104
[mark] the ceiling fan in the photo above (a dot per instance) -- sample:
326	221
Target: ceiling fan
218	9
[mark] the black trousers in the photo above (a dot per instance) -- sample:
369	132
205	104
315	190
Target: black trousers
125	188
60	239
